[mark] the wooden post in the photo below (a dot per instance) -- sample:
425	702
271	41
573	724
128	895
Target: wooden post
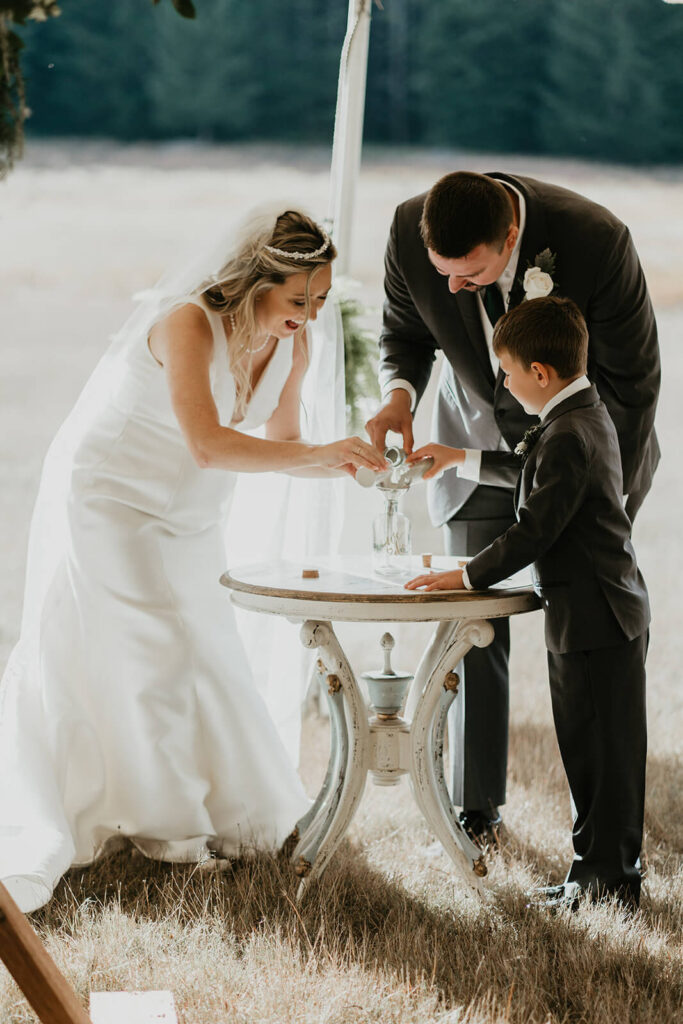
34	970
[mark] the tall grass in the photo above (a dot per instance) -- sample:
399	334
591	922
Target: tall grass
389	934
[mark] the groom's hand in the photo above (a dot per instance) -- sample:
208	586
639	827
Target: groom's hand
394	415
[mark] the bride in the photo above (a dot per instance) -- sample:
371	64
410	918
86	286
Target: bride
128	706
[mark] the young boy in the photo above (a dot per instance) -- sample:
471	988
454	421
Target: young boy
572	526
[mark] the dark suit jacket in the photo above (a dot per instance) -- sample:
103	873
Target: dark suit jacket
597	266
573	529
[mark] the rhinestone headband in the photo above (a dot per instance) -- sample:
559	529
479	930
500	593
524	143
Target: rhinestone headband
301	255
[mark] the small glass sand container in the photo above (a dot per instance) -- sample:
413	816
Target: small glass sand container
391	530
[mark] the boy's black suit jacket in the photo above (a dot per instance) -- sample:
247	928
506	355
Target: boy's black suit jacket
597	266
573	529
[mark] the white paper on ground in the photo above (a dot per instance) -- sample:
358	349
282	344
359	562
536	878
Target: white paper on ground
132	1008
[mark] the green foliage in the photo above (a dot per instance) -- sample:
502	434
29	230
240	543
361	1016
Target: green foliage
12	105
17	10
360	364
13	110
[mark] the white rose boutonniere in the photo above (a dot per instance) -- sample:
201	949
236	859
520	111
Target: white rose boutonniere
537	283
538	279
531	436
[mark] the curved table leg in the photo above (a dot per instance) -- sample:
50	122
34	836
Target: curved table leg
345	780
427	738
439	643
339	743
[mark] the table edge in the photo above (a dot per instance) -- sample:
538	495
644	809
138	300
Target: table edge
419	597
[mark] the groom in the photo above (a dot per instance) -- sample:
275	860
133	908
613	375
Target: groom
457	258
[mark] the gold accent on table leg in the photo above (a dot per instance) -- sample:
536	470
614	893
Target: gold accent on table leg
452	682
302	867
333	684
479	867
289	845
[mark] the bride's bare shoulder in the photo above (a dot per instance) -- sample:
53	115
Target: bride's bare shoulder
185	327
188	318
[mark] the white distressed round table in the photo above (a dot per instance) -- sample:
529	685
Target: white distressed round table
387	745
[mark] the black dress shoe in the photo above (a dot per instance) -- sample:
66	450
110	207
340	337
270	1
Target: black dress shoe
558	897
483	827
570	896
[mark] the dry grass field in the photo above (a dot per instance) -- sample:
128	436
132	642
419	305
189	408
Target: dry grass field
390	934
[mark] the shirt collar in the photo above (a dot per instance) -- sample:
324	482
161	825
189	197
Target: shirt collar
580	384
507	278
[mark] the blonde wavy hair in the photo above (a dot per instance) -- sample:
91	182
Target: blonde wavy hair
237	286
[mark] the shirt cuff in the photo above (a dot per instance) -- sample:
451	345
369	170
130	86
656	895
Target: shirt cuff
470	469
466	579
405	385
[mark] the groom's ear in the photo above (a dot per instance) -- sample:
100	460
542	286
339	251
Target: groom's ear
511	237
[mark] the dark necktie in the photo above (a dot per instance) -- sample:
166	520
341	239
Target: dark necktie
493	303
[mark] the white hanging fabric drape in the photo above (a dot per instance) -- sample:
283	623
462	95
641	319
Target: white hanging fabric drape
277	516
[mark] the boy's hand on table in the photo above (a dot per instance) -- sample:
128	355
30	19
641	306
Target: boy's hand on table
438	581
444	458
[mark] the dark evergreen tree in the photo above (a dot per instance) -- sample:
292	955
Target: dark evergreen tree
591	78
602	95
390	114
480	70
662	35
201	76
86	72
247	71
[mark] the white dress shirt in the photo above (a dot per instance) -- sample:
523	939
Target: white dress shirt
580	384
504	282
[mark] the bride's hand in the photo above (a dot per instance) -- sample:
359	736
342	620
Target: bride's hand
349	454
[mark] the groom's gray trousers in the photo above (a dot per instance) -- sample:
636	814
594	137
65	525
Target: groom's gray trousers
478	720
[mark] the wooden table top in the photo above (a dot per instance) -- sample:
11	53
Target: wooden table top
351	580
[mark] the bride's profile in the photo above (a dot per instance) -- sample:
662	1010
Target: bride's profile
128	707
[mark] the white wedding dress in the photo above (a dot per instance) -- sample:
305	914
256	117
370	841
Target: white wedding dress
130	708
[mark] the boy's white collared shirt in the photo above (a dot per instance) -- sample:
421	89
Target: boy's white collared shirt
580	384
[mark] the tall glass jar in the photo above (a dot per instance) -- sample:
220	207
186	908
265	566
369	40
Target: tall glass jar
391	537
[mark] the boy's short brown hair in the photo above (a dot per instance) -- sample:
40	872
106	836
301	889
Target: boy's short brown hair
464	210
550	330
